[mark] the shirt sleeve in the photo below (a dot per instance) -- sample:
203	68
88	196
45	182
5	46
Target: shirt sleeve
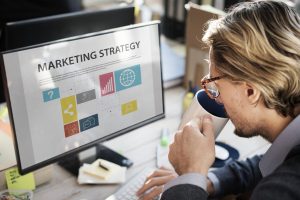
189	178
215	182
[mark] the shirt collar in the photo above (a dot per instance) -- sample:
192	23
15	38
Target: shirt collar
280	148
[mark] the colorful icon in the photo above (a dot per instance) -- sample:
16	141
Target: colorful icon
86	96
107	85
71	129
51	94
89	122
128	77
129	107
68	108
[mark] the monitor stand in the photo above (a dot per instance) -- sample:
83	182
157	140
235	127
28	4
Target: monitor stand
74	162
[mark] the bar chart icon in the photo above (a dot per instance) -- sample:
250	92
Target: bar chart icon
107	85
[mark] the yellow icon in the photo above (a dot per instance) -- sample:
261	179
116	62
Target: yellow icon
129	107
68	109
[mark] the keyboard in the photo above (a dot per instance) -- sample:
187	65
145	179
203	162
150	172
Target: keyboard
129	189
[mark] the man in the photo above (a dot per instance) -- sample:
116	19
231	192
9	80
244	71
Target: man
255	72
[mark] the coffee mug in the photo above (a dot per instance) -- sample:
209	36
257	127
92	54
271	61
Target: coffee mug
202	104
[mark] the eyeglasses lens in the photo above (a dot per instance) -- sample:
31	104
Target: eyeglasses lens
212	89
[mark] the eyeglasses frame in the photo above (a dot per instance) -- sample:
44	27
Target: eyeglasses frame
205	81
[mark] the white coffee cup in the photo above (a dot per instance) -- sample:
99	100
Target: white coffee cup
202	105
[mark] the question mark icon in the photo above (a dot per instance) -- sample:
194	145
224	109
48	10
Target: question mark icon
50	93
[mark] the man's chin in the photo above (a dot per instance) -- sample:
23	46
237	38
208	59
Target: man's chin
243	134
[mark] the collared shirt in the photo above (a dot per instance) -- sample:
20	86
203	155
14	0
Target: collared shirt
280	148
274	157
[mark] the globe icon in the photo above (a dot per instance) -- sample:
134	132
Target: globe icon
127	77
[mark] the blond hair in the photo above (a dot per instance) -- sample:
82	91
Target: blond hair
259	42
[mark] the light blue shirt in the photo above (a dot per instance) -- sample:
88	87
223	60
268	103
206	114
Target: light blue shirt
274	157
189	178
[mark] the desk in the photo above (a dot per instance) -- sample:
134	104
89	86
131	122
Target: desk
140	146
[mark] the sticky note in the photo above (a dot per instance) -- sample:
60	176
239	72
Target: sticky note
117	176
96	171
15	181
3	112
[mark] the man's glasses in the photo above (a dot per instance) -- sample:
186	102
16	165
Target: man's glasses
210	87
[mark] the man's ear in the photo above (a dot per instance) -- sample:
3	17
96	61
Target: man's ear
252	93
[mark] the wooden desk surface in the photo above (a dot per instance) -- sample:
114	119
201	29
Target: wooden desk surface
140	146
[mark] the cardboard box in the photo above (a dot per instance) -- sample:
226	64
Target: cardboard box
196	50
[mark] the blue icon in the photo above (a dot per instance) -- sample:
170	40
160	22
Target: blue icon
51	94
89	122
128	77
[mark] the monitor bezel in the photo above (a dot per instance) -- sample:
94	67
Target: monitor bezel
22	25
93	143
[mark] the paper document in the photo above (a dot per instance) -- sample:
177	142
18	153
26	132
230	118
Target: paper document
93	174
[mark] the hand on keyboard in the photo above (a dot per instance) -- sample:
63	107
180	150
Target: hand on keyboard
129	189
141	187
153	185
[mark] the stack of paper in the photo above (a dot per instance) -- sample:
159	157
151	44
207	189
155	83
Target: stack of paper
108	174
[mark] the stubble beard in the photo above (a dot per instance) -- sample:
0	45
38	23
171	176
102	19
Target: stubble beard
244	129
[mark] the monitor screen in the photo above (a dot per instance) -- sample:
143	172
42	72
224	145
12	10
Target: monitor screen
68	95
44	29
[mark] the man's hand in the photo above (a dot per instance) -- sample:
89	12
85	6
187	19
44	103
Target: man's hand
153	185
193	148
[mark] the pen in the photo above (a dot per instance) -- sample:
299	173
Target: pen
103	167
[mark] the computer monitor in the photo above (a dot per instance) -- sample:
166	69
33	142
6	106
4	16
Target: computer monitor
44	29
68	95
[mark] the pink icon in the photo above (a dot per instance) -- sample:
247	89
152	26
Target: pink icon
107	84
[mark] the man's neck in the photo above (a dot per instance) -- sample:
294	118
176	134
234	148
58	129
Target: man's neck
275	124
